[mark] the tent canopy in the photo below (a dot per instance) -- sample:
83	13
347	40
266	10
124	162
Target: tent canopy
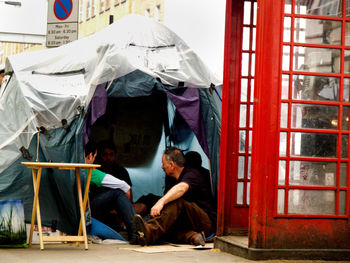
61	92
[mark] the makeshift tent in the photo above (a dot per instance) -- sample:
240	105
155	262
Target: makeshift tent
61	92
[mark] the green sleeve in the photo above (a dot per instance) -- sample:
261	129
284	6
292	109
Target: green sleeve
97	177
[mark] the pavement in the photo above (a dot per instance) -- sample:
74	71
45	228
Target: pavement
125	253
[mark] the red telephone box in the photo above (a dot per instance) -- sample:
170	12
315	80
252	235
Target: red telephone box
297	193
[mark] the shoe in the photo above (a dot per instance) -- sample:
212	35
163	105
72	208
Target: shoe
141	230
198	239
134	240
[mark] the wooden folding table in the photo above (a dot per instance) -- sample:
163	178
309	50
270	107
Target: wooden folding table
36	171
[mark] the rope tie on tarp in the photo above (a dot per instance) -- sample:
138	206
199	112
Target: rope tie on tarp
44	131
212	89
65	125
25	153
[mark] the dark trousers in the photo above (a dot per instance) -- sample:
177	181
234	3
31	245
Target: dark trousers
180	220
113	199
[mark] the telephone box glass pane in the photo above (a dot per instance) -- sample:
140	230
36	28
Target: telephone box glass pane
313	144
244	90
342	202
288	6
311	59
319	8
316	88
243	116
252	65
343	174
248	173
347	34
344	146
347	62
307	173
245	64
345	121
287	28
284	115
285	86
242	141
246	38
346	90
316	31
280	202
250	141
251	116
240	193
255	6
312	202
283	144
252	90
241	167
312	116
286	57
248	193
282	173
247	12
254	36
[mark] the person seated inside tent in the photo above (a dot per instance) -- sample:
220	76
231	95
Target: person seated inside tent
144	204
194	160
107	152
186	213
109	193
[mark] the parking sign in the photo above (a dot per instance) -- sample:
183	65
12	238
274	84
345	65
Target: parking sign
62	22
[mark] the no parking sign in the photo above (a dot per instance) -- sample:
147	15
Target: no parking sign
62	22
62	9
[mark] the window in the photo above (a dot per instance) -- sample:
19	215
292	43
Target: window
147	13
2	61
102	5
157	13
314	115
89	9
81	11
94	7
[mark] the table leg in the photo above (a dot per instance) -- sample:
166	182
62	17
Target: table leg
82	210
86	194
36	208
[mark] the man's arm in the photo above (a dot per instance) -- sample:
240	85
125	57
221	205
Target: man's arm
110	181
129	195
174	193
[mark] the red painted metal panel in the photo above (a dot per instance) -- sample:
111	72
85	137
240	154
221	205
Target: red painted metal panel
229	217
265	127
